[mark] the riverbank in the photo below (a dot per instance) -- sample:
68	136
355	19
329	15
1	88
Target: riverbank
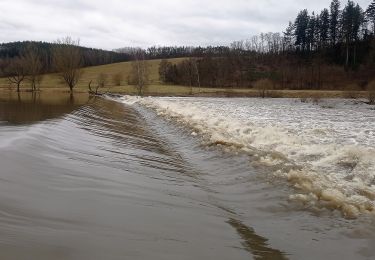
172	90
52	83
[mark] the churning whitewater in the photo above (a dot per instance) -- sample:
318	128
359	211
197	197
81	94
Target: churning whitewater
324	149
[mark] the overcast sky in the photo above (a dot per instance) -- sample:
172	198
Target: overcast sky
110	24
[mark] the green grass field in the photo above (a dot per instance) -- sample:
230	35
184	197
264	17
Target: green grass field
52	82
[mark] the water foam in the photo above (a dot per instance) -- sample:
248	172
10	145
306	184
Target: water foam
327	154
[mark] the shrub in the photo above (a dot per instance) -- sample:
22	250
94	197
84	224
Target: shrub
350	94
117	79
263	85
371	92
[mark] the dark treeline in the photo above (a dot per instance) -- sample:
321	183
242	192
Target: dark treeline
169	52
10	52
334	48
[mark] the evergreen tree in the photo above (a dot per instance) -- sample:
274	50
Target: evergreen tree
352	19
311	32
358	21
324	27
289	36
334	21
370	15
301	25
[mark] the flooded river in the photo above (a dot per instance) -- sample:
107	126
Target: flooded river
96	178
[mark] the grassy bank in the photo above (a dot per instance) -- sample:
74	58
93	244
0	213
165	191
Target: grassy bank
52	83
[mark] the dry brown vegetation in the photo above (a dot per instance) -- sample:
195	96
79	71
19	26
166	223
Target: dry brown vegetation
52	82
262	86
371	92
117	79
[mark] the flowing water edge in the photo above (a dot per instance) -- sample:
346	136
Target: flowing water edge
325	150
185	178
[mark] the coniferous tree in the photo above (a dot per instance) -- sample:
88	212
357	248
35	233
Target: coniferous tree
288	37
370	15
334	21
347	27
301	25
352	19
358	21
311	32
324	27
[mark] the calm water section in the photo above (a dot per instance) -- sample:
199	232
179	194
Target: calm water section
90	178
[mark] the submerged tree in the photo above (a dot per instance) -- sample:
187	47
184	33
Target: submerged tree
67	60
101	81
34	64
17	71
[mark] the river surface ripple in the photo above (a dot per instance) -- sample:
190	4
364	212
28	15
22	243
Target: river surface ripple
99	179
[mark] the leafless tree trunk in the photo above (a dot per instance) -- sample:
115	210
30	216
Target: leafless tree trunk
17	71
140	72
67	60
195	64
34	65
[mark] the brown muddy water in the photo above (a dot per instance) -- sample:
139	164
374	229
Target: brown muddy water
91	178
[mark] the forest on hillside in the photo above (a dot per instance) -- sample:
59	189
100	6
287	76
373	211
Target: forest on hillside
332	49
12	51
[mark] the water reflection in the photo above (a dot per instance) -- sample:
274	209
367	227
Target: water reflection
127	130
26	108
255	244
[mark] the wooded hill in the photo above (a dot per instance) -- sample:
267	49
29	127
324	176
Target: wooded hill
333	49
90	56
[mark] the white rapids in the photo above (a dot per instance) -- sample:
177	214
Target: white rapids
326	150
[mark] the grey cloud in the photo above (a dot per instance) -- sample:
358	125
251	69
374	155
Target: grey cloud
116	23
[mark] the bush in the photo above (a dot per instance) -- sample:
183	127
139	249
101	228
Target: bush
102	80
350	94
263	85
117	79
371	92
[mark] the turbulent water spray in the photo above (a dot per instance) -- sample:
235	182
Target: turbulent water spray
318	150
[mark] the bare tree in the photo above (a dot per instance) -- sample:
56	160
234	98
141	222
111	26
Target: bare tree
163	70
34	65
117	79
140	71
195	64
17	71
67	60
101	82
